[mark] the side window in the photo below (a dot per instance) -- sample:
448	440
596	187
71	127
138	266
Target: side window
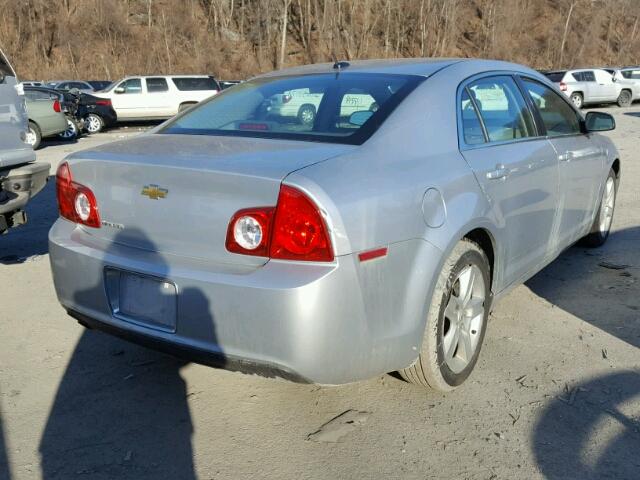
578	76
588	77
471	126
502	109
133	85
558	117
157	85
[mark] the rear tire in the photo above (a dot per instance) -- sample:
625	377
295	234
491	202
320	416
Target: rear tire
71	133
94	123
307	114
624	99
34	137
604	216
456	322
577	99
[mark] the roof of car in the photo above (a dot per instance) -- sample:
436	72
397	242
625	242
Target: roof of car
407	66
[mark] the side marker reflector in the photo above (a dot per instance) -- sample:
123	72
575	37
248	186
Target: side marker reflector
371	254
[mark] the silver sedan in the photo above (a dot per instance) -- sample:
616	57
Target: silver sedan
374	235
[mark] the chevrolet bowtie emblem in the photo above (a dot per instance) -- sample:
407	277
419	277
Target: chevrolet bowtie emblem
154	192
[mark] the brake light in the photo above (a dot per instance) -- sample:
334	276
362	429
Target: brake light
563	86
293	230
75	202
56	106
104	103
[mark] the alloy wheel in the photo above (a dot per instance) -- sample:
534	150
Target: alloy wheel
30	137
463	318
607	205
94	125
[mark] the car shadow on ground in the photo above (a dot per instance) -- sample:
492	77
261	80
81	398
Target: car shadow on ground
5	472
632	114
31	239
592	431
121	410
582	280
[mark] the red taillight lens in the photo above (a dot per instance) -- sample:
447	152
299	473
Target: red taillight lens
56	106
75	202
563	86
293	230
299	231
104	103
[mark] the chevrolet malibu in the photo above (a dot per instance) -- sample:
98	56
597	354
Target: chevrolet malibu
334	250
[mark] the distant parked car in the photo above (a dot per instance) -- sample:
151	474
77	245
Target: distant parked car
70	107
46	119
29	83
627	76
99	113
21	177
99	84
590	86
158	97
68	85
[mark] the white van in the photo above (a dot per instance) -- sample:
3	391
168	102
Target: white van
157	97
20	176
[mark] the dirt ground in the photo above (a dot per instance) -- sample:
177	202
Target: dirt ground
555	395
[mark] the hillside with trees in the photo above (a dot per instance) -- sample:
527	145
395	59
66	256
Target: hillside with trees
237	38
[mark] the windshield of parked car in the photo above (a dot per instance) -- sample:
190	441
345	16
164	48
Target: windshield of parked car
336	108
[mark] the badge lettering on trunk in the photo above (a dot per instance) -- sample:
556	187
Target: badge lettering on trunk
154	192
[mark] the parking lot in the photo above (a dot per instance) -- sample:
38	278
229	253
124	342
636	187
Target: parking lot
556	394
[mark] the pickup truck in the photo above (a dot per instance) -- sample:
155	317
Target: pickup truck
21	177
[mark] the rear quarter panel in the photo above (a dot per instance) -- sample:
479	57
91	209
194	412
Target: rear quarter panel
42	113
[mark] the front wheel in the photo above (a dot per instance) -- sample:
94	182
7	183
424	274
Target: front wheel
604	216
456	322
307	114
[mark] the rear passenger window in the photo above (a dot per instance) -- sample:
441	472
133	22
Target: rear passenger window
195	83
558	117
502	109
471	126
156	85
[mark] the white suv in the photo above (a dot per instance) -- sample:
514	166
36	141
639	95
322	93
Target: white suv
594	85
157	97
20	176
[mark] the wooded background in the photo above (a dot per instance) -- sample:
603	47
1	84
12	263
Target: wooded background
233	39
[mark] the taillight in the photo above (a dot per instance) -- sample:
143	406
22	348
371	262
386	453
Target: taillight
104	103
56	106
75	202
563	86
293	230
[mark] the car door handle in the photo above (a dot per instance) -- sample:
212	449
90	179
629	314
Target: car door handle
565	157
500	172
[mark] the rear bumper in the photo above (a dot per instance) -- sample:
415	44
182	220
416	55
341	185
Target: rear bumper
322	323
17	186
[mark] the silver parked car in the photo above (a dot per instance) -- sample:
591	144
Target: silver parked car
365	242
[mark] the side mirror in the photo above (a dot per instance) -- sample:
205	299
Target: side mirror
599	122
359	118
119	90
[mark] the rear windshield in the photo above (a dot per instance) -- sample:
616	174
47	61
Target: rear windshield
342	108
555	77
196	83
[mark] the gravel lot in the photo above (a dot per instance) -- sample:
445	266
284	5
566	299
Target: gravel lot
556	393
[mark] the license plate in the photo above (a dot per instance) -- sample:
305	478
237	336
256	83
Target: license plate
144	299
